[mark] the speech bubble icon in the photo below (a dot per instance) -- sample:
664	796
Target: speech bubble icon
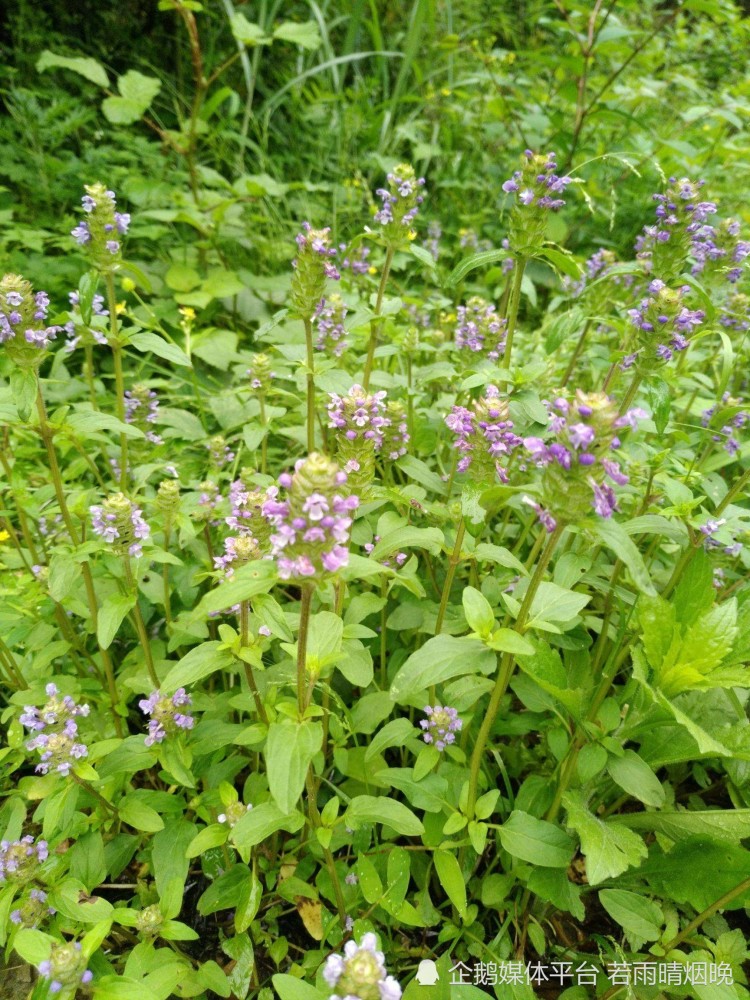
427	973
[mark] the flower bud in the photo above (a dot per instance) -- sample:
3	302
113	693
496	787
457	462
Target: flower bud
260	373
66	967
400	204
150	921
534	188
120	523
24	332
101	232
360	973
166	714
359	419
312	266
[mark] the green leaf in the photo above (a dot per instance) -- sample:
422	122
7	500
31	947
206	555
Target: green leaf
247	32
536	841
291	988
64	571
469	264
452	880
261	822
90	69
635	777
421	473
728	825
305	35
137	92
153	343
380	809
616	538
507	640
393	734
561	260
502	556
140	816
253	578
660	400
440	659
200	662
638	917
85	422
23	389
609	848
554	885
71	899
33	946
478	612
555	604
210	836
408	537
290	748
111	616
212	977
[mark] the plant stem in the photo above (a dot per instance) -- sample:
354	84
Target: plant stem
249	675
165	583
375	321
140	625
46	432
448	583
89	369
304	623
505	670
513	304
576	353
630	394
114	343
264	442
111	809
310	385
315	823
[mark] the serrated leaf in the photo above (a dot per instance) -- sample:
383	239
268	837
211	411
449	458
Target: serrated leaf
305	35
88	68
609	848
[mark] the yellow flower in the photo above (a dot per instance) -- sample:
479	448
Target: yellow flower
120	308
411	235
188	313
4	536
372	269
446	92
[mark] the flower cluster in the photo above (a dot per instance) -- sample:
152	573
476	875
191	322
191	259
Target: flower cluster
209	499
395	431
710	529
246	510
359	419
66	967
312	525
238	550
597	266
76	329
735	312
480	329
312	265
718	250
20	859
166	714
260	373
234	813
440	726
578	461
56	730
663	324
142	410
101	231
734	421
360	973
537	190
664	248
484	436
168	502
23	321
32	910
434	232
150	921
219	452
119	521
329	320
357	262
400	203
468	239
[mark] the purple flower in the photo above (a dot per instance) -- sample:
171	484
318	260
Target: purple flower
23	327
96	232
311	526
400	203
484	436
142	410
20	859
440	726
480	330
166	715
360	973
329	319
119	521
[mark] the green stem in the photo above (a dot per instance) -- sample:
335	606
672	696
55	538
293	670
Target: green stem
140	625
264	424
513	304
111	809
46	432
630	394
375	321
165	584
505	670
89	369
576	353
114	343
310	385
315	823
452	566
249	675
304	624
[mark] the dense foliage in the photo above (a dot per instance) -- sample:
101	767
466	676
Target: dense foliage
373	502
